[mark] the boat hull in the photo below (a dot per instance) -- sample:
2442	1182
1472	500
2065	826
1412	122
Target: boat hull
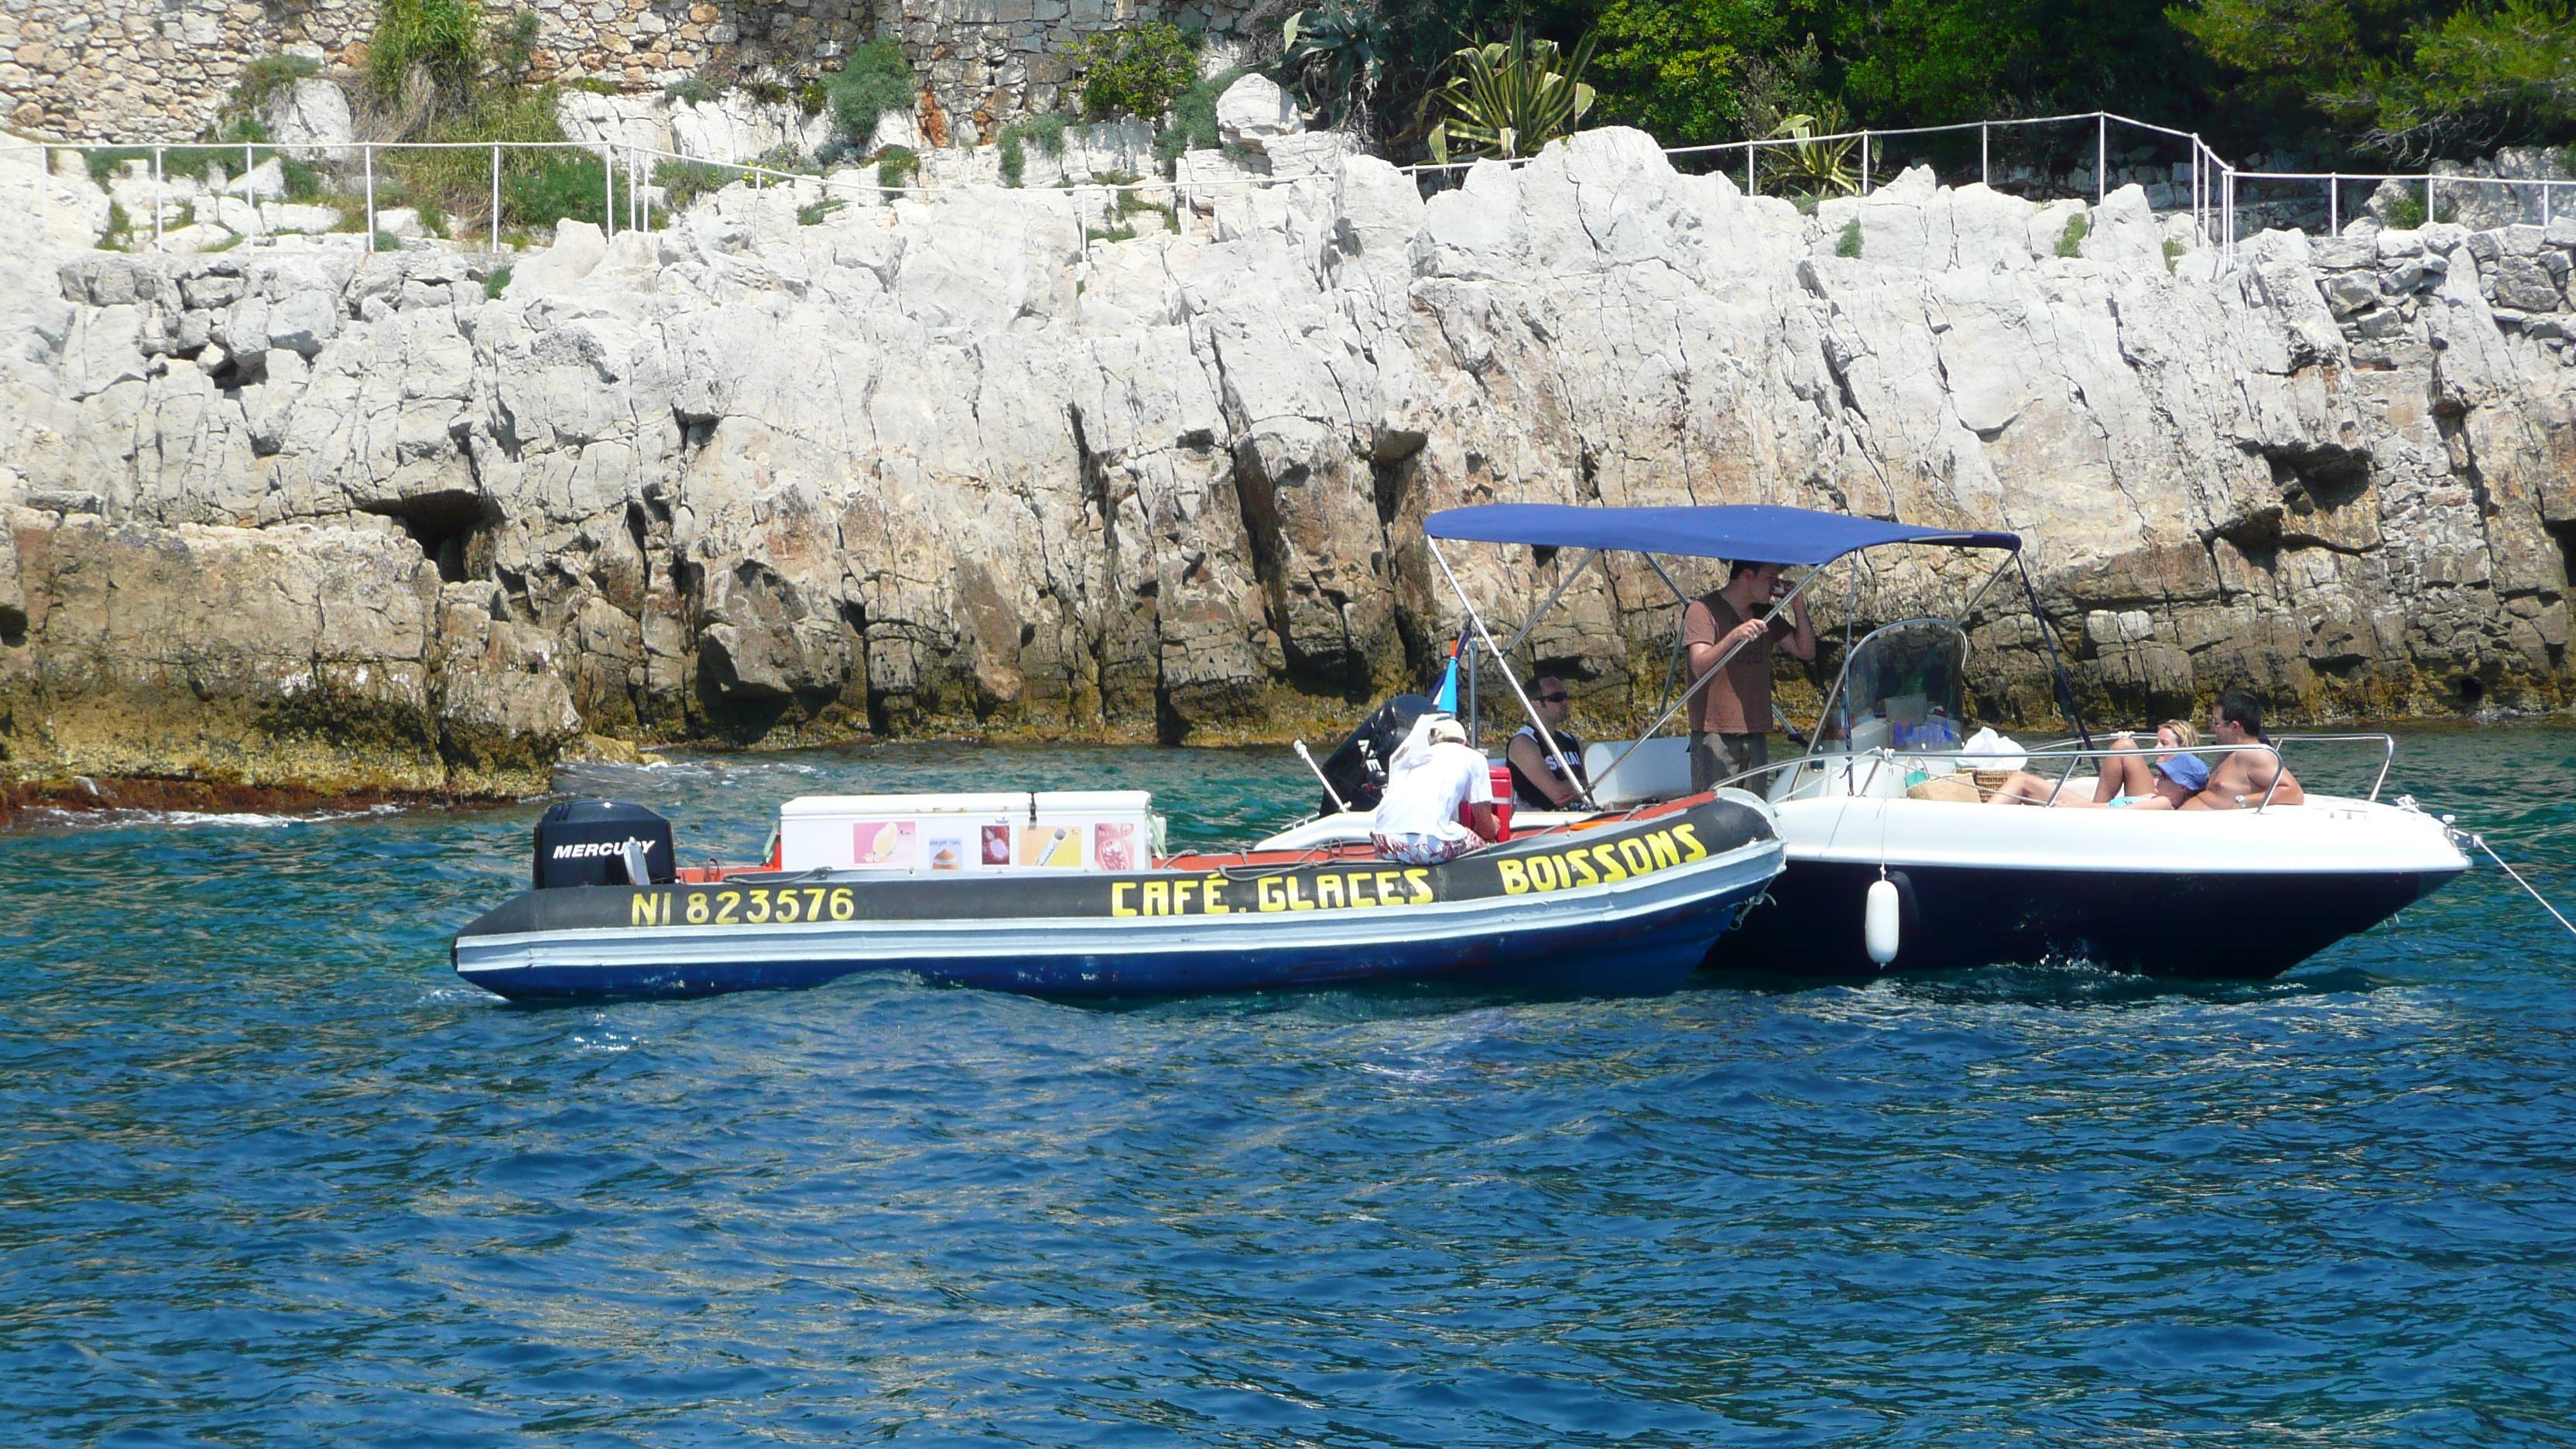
1497	919
2199	895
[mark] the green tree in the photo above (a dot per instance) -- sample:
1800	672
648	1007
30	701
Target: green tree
1678	68
1927	62
1137	71
2485	77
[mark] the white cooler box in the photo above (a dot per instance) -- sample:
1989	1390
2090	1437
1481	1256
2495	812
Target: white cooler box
1005	830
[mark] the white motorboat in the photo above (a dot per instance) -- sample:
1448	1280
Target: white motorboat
2228	893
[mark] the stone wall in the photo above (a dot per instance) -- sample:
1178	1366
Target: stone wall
118	70
127	69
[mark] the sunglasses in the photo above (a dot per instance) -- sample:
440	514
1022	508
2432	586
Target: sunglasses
1554	698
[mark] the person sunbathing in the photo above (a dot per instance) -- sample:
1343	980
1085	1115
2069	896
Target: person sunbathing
2128	781
2244	777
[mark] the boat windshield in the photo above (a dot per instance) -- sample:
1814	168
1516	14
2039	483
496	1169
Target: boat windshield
1900	689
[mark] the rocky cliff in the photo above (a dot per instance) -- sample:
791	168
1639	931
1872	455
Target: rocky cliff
792	472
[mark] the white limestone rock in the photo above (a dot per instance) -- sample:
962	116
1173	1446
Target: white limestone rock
936	460
1254	111
310	121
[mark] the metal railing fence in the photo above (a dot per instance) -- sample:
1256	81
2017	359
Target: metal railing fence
2221	194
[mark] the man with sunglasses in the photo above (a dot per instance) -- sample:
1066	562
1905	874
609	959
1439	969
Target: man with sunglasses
1547	774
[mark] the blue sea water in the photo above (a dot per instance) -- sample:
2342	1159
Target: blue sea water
272	1176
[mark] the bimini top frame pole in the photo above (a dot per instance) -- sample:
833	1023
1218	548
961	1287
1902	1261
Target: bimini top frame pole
1501	660
1767	533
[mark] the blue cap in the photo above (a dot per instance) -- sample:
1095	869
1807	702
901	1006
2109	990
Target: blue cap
2189	771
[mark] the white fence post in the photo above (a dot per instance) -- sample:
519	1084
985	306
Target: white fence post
2334	203
247	167
1985	154
2201	192
1748	175
1864	163
496	200
608	189
156	197
2101	157
370	154
2428	198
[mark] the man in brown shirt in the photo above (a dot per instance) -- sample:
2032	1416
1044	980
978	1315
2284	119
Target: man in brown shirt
1730	717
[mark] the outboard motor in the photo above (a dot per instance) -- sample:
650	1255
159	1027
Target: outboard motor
603	842
1357	767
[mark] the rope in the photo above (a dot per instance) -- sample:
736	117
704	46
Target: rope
2480	842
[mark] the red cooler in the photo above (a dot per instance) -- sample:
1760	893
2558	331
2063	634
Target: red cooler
1502	778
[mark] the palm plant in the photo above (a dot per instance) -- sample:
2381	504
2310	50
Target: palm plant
1335	57
1507	100
1813	167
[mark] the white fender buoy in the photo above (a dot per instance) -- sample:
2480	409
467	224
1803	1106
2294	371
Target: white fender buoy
1879	921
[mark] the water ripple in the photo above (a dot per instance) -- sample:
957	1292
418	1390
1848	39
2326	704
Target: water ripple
276	1178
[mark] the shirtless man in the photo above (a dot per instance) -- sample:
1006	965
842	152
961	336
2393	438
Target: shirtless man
2241	776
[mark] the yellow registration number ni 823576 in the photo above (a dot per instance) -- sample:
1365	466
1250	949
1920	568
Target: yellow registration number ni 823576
743	906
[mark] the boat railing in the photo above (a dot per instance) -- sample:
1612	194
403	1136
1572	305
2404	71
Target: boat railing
2074	753
2387	750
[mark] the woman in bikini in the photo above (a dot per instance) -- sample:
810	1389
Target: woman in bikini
2127	781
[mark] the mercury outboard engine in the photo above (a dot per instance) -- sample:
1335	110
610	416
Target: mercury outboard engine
603	842
1357	767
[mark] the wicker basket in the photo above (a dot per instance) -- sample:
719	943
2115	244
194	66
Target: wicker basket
1989	781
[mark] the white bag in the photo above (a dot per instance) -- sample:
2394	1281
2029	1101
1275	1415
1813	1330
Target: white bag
1986	750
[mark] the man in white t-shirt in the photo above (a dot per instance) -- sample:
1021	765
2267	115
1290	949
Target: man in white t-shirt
1417	821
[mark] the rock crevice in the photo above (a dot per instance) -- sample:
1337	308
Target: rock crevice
938	465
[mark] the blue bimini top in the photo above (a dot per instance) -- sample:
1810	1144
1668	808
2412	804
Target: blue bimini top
1736	532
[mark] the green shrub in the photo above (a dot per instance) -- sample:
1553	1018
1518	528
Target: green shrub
388	242
1848	244
812	97
303	181
2071	243
1138	71
441	36
591	86
515	43
496	283
877	79
813	215
1193	126
897	165
567	185
2173	254
767	92
683	182
261	80
119	235
459	183
1047	131
692	91
2405	213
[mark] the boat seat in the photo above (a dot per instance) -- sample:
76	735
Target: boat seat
1660	770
